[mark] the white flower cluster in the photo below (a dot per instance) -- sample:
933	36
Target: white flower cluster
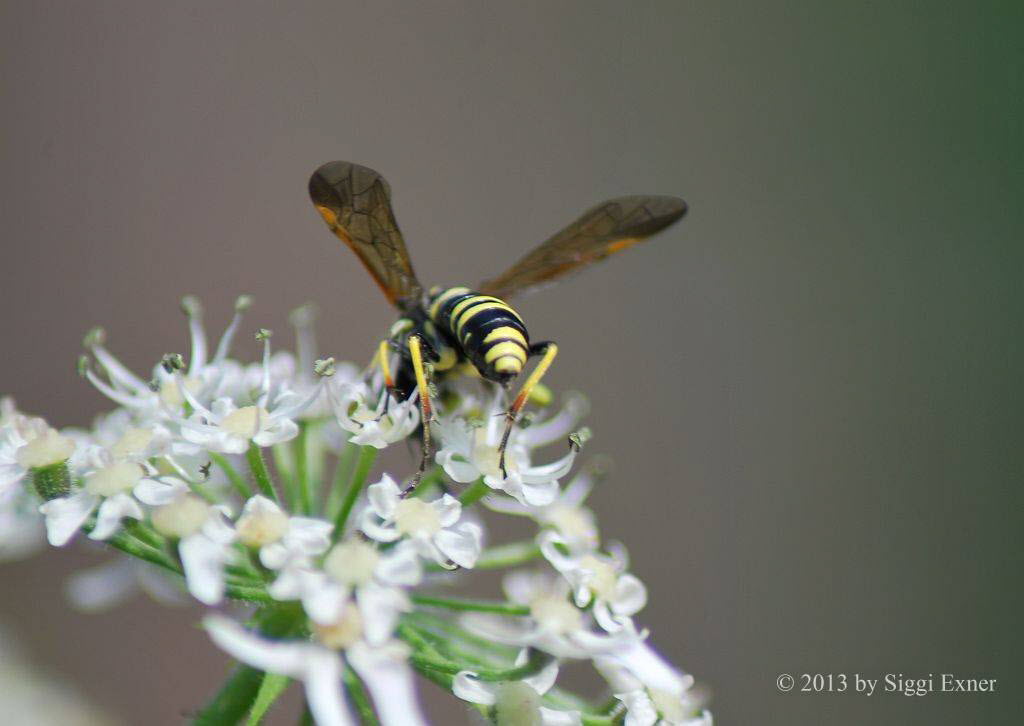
247	483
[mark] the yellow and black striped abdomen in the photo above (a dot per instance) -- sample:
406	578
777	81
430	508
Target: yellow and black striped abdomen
487	330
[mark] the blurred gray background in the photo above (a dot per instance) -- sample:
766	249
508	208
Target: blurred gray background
810	388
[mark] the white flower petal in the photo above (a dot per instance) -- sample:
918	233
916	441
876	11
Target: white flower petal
287	658
551	717
651	669
157	492
384	497
98	588
111	512
448	508
390	681
203	561
308	535
323	688
325	603
461	543
630	596
66	515
542	680
401	566
468	687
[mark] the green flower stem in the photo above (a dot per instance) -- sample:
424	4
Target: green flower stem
479	606
237	695
367	455
476	491
248	593
428	621
259	471
144	533
131	546
231	702
494	558
428	657
232	474
342	473
431	479
271	688
301	473
360	698
204	491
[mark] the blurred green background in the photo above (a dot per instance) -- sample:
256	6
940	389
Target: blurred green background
811	388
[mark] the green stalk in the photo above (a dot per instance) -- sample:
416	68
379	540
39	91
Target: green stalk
271	688
428	621
342	473
367	455
232	474
260	473
476	491
131	546
360	698
301	473
478	606
237	695
494	558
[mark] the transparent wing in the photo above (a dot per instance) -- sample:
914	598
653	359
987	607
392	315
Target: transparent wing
356	204
604	230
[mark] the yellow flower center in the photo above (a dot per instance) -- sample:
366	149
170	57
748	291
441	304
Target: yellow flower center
113	479
352	562
344	633
46	449
182	517
132	442
169	394
259	528
245	421
573	522
556	614
416	517
603	576
669	705
486	456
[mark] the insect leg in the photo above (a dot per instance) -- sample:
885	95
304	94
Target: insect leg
416	344
549	350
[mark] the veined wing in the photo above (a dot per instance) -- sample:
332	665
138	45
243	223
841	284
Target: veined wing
608	228
355	201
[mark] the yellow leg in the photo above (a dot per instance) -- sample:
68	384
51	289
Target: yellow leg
550	351
381	359
426	409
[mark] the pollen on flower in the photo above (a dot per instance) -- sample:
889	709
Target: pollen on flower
556	614
352	562
46	449
416	517
181	517
245	421
262	527
171	397
487	456
669	705
603	577
344	632
573	522
517	704
113	479
132	442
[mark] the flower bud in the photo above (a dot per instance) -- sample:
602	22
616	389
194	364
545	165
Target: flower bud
46	457
517	704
